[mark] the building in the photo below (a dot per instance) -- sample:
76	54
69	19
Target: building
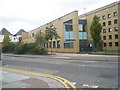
74	30
2	33
13	38
18	36
108	17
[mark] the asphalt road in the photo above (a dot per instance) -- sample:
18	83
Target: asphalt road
83	72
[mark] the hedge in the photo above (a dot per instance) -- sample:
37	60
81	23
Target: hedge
27	48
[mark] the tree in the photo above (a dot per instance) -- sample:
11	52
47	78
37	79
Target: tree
50	34
95	31
6	40
40	39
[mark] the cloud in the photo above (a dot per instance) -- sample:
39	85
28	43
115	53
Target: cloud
29	14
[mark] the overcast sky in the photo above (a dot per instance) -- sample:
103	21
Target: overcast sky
30	14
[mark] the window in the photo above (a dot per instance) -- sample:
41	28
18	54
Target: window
104	24
110	36
99	18
115	13
104	44
109	22
68	25
116	36
115	28
58	44
103	17
104	30
47	44
68	28
104	37
50	44
109	15
116	44
54	44
80	27
33	34
109	29
115	21
68	45
110	43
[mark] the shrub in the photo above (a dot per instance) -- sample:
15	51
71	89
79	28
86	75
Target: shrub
8	48
40	50
19	48
28	47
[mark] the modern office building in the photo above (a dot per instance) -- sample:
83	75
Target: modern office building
109	17
75	34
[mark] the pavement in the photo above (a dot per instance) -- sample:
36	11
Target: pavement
71	56
10	79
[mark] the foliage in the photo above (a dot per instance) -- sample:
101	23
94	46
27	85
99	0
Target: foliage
40	39
19	49
40	50
27	48
51	33
8	48
6	39
95	31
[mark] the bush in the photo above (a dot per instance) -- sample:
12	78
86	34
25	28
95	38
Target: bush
27	48
40	50
19	48
8	48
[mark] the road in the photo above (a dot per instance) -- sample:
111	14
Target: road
80	70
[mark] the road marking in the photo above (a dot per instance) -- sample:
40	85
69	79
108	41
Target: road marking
71	60
63	57
90	86
60	79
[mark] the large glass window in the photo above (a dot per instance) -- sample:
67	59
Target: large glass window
68	45
68	30
81	27
68	25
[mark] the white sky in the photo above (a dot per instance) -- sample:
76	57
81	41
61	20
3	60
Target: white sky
30	14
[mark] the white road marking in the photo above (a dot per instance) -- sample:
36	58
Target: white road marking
90	86
63	57
74	83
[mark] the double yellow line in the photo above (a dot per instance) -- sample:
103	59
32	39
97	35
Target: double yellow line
67	84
